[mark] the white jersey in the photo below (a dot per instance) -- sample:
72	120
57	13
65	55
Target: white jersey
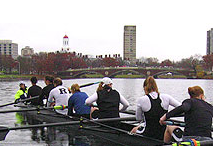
60	96
144	104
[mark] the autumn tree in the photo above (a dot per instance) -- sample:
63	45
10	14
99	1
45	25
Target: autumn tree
208	62
7	63
167	63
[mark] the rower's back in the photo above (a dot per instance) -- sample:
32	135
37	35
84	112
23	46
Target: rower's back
108	103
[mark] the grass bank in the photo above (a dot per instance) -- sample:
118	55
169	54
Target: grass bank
8	77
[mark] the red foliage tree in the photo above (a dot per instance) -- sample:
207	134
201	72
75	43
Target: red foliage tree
110	62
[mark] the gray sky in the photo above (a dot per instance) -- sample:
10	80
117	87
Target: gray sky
166	29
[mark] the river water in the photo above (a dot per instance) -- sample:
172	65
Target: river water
131	89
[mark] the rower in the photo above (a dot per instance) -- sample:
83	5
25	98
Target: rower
22	92
77	103
58	96
46	90
108	100
150	108
34	90
198	116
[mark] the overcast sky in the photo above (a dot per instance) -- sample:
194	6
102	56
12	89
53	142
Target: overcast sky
166	29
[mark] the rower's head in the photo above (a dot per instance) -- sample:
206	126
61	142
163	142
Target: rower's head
33	80
49	80
75	88
196	92
22	85
107	82
57	82
150	85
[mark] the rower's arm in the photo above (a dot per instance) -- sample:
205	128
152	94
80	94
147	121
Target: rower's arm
186	105
50	99
91	99
124	102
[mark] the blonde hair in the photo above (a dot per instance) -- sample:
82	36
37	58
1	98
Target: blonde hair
150	85
100	87
195	91
75	88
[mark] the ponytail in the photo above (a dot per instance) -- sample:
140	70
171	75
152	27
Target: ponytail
100	87
150	85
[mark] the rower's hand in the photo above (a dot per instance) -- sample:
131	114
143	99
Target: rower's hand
162	120
134	130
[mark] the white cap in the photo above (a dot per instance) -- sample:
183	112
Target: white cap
107	81
20	83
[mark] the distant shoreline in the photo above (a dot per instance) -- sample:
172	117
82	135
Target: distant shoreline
27	77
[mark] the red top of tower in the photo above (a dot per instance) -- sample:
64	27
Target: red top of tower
65	36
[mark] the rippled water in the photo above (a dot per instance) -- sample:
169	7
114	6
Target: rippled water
131	89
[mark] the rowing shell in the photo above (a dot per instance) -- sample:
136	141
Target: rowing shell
89	129
96	131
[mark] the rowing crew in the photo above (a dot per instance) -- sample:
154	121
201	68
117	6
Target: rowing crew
152	108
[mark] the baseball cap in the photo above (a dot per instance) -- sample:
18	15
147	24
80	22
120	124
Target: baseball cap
21	83
106	81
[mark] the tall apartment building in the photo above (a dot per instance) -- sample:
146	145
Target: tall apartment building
129	40
210	41
27	51
8	48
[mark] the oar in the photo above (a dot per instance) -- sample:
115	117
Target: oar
61	107
89	84
4	130
23	100
28	99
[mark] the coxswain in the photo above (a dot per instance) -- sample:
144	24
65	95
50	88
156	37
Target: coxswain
108	100
58	96
77	103
198	116
22	92
34	91
46	90
150	108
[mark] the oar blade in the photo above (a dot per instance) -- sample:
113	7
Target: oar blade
3	132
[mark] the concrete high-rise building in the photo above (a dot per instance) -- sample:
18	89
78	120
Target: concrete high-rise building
129	40
27	51
210	41
65	47
9	48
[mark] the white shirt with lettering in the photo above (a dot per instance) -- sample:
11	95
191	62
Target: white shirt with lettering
60	96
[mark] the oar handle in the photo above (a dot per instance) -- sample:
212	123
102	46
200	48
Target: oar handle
175	123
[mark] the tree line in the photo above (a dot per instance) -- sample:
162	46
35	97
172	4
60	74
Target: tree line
51	63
